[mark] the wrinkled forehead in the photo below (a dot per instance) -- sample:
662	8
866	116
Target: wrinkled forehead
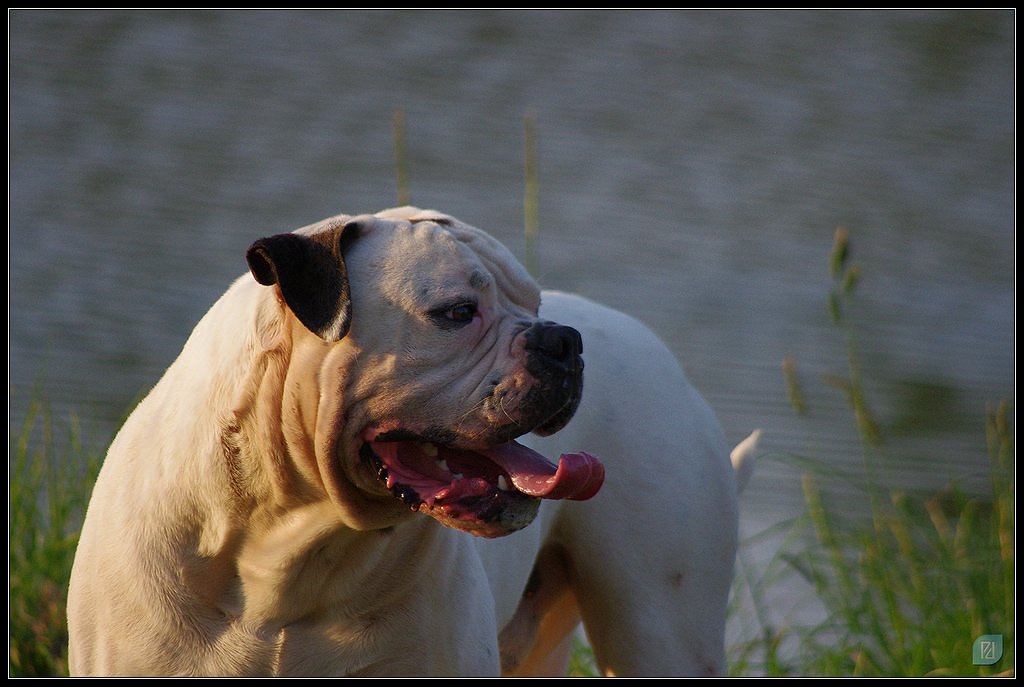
445	254
433	255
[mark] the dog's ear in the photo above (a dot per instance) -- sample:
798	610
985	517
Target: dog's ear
310	271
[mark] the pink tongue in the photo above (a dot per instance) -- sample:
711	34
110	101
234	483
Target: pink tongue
577	477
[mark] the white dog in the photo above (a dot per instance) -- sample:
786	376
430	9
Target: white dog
298	494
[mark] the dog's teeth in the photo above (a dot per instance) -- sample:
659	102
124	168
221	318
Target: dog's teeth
442	464
428	448
503	483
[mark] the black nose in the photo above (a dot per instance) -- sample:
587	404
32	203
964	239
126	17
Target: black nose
555	341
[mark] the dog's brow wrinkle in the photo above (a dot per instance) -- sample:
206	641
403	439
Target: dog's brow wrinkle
479	280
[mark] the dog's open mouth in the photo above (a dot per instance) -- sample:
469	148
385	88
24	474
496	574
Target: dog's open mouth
490	491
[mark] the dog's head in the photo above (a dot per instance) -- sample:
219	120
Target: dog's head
428	360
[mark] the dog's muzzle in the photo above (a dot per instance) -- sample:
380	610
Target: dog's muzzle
494	487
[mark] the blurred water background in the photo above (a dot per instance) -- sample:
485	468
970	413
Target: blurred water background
693	167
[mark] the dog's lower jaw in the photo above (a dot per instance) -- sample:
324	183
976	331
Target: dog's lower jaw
493	515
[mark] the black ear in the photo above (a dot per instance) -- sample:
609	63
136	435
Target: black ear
310	270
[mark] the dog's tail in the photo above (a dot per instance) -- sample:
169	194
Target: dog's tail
743	459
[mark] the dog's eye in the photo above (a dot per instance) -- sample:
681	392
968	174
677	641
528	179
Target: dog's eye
461	313
455	315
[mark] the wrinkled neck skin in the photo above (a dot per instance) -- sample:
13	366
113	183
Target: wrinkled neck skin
290	479
286	439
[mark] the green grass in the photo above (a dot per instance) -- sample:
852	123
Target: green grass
49	483
906	590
